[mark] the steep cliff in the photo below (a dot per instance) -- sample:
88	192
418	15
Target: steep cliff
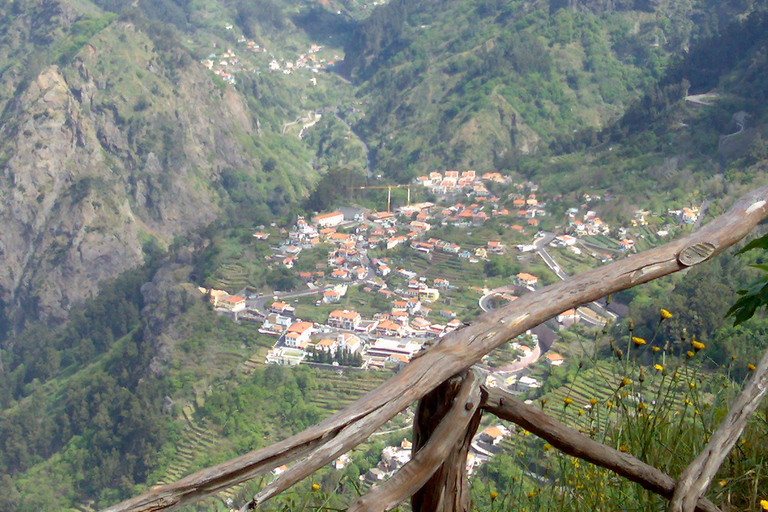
122	143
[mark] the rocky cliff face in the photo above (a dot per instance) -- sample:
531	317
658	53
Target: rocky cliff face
116	149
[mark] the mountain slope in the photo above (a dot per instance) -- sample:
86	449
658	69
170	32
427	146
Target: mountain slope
125	142
475	81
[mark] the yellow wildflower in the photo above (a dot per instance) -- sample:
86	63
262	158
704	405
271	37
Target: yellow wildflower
623	449
567	401
625	382
764	504
690	354
641	406
592	401
638	341
658	367
531	495
315	487
494	495
733	358
581	412
656	349
609	404
520	453
722	483
547	447
751	367
691	384
697	345
665	314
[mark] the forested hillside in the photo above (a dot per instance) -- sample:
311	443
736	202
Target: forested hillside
481	83
117	143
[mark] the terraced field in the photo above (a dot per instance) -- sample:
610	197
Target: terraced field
336	392
230	277
456	271
194	442
602	241
255	361
601	383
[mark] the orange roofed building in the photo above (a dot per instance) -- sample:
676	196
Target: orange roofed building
298	334
344	319
328	220
526	279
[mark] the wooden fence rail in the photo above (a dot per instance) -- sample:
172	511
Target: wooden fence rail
453	356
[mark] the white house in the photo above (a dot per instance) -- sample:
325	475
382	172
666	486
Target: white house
328	220
298	334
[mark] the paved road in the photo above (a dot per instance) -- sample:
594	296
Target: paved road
260	303
552	264
700	99
541	250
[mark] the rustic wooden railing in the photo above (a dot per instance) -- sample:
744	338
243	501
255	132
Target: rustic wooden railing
452	398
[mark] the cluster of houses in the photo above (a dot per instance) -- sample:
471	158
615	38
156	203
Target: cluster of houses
587	223
227	64
223	301
390	336
484	445
685	215
455	182
393	337
307	60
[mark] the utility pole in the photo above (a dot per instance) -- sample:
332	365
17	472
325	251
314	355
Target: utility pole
389	193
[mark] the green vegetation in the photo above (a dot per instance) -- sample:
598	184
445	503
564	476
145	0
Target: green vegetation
659	404
143	383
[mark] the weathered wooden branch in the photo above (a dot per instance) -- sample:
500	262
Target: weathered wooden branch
571	442
461	415
698	475
454	354
448	489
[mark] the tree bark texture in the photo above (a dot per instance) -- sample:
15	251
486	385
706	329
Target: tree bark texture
448	489
434	465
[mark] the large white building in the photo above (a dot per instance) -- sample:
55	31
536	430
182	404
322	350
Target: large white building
328	220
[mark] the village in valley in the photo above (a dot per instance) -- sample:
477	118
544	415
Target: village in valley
378	287
370	288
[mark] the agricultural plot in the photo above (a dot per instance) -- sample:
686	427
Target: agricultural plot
335	392
598	394
230	277
457	272
195	442
601	241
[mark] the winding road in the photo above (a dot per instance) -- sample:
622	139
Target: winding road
598	310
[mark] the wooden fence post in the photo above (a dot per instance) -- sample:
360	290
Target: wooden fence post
448	489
